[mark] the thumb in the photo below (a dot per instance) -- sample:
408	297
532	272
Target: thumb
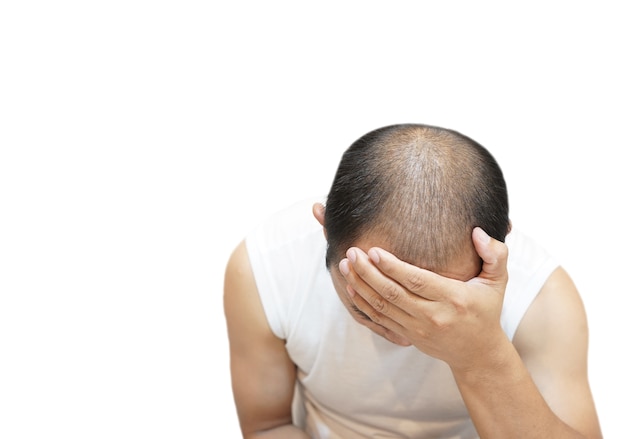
494	255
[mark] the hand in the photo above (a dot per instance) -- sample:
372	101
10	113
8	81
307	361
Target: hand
455	321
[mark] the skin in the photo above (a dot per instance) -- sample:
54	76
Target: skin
263	377
533	387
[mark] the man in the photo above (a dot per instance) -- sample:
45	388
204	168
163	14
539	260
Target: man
396	310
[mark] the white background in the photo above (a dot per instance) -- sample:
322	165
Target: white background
140	141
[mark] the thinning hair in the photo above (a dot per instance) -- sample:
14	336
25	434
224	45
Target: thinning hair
419	188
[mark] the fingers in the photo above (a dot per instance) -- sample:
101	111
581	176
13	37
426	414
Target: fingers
432	286
379	297
393	293
418	281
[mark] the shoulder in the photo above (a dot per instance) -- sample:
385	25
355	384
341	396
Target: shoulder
242	307
284	226
285	257
239	283
555	318
284	245
529	266
527	255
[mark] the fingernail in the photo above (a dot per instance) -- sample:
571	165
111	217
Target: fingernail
343	267
351	253
482	235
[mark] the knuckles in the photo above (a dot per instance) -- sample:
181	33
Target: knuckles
415	282
376	317
390	292
380	305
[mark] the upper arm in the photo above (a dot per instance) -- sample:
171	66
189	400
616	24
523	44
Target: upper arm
552	340
262	375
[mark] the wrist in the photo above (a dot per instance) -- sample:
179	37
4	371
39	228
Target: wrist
495	356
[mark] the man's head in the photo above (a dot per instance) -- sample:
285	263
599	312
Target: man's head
417	191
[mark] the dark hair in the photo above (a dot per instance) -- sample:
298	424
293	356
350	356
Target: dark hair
420	188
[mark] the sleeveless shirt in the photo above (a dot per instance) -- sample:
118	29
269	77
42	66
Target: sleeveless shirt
352	383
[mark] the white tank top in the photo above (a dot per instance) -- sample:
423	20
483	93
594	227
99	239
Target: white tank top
353	383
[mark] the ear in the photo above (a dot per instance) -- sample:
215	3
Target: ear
508	230
319	212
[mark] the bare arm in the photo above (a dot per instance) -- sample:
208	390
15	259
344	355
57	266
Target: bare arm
458	322
543	392
552	340
262	374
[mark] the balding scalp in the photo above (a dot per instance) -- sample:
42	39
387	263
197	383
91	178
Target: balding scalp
418	189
